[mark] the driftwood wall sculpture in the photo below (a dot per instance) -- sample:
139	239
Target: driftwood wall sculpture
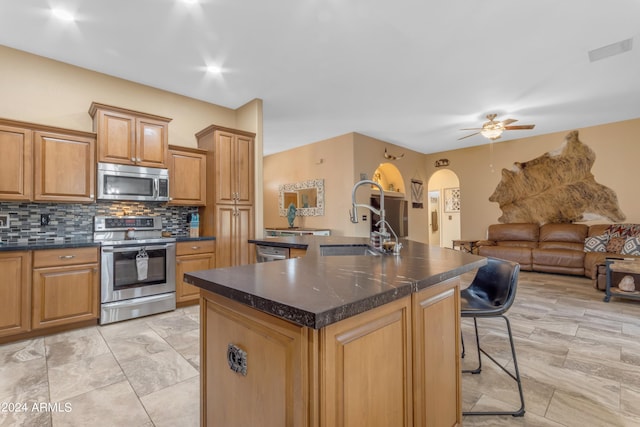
556	187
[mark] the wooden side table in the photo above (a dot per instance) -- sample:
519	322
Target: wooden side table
464	245
616	269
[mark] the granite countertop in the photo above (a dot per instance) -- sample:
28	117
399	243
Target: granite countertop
77	243
62	244
316	291
193	239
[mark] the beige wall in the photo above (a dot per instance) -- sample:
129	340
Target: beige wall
344	158
369	154
331	160
39	90
617	148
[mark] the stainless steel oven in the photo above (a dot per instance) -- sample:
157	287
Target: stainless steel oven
138	268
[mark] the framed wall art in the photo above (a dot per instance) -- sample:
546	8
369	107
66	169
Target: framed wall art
452	200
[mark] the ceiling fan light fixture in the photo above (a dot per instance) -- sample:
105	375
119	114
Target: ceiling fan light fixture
492	131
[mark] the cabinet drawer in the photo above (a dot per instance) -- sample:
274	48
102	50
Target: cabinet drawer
57	257
195	247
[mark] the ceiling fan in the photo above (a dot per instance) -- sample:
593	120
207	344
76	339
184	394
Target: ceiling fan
493	129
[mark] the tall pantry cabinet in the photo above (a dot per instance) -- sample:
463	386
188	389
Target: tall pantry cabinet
229	212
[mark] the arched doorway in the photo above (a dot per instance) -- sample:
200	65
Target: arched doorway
444	208
390	178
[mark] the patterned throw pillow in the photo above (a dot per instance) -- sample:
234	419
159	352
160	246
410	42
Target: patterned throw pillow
596	243
631	246
615	244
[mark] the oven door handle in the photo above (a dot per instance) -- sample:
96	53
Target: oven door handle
110	249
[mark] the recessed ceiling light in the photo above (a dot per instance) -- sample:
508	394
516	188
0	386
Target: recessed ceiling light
63	15
213	69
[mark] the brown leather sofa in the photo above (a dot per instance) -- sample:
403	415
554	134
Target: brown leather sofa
550	248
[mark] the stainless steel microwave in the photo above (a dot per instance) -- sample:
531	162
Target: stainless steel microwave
123	182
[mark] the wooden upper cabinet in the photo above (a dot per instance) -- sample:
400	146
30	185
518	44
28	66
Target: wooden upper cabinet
187	176
234	168
64	167
130	137
16	163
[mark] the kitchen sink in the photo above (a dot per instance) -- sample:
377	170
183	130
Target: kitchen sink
345	250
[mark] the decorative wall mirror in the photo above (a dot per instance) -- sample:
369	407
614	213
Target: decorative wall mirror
306	196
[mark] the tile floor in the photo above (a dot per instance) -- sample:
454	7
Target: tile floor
142	372
579	358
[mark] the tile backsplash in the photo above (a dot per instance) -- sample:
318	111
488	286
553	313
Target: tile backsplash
75	221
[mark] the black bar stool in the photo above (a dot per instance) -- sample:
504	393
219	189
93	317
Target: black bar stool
491	294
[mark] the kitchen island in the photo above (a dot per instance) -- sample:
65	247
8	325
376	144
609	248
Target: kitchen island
355	340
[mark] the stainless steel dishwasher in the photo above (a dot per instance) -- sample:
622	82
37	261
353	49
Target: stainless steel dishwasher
270	253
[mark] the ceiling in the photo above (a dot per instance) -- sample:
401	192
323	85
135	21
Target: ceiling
410	72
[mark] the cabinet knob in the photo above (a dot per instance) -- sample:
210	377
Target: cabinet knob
195	247
133	159
66	256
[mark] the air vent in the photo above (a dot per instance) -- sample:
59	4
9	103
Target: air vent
610	50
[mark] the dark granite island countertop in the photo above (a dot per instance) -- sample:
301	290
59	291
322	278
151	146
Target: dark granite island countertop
316	291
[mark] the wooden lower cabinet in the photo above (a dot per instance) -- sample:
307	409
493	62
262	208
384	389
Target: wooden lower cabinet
394	365
192	256
297	253
15	292
66	286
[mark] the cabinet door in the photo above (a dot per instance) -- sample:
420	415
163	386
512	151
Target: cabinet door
185	264
225	245
188	173
436	317
16	163
243	174
15	292
245	253
275	390
63	295
234	229
224	159
152	143
65	168
367	370
117	137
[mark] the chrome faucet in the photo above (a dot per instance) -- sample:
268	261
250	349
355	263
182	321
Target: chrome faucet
383	224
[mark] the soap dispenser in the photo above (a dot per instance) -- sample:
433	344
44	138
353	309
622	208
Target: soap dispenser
194	225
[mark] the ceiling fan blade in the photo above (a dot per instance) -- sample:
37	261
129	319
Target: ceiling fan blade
468	136
471	129
519	127
509	121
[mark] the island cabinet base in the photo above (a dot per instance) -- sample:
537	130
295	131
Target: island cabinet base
395	365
